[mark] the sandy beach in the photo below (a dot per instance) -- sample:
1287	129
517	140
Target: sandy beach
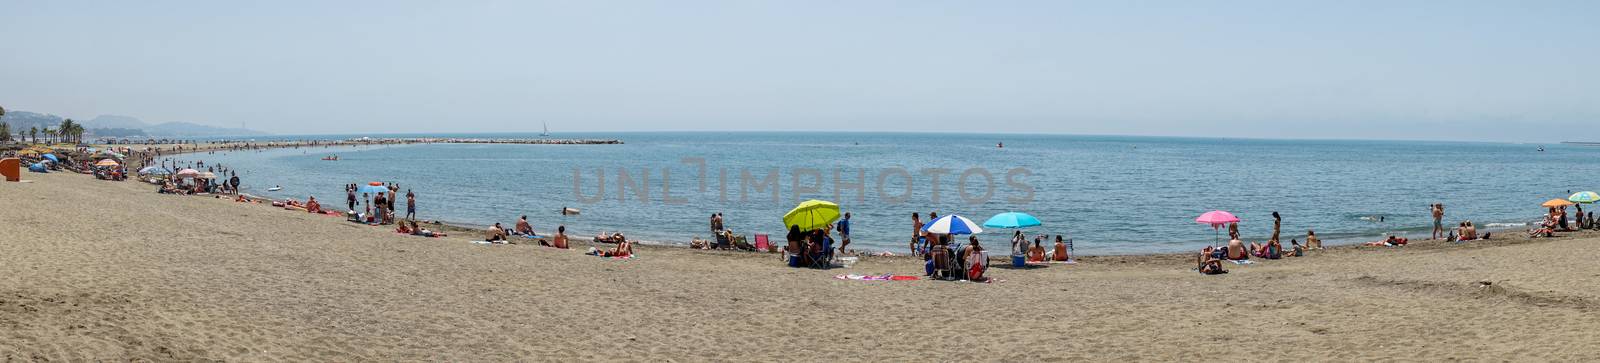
98	270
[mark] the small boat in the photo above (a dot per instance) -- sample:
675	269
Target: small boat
1541	149
331	158
275	188
569	211
546	131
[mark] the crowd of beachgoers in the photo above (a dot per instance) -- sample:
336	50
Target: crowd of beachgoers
947	245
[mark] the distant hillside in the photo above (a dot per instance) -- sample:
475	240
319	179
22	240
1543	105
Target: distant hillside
122	126
20	121
115	122
185	129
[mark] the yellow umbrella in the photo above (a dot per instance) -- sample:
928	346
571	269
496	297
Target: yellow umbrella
1557	203
811	215
107	162
28	152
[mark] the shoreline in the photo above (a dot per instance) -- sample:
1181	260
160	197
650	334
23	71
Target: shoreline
1337	239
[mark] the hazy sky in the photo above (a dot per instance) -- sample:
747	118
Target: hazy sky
1461	70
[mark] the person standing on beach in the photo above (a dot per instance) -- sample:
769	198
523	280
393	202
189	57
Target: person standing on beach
1438	220
233	183
916	231
411	205
844	232
350	197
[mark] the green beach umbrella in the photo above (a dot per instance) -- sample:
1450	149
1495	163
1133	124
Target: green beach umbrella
1584	197
811	215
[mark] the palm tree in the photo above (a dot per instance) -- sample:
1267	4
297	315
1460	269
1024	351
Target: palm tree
67	128
33	133
5	130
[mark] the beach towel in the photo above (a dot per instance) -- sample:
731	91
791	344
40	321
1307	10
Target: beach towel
1242	262
1067	262
883	277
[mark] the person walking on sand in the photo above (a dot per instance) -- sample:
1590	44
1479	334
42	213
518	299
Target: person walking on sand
350	197
844	232
1438	220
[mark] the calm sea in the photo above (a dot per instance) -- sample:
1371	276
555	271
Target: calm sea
1110	194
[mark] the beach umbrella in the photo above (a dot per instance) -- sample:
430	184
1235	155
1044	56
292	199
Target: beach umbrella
1556	203
373	189
51	158
152	170
1012	220
106	162
952	224
812	215
187	173
1216	219
29	152
207	175
38	168
1584	197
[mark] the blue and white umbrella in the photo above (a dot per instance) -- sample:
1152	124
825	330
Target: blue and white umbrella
952	224
153	170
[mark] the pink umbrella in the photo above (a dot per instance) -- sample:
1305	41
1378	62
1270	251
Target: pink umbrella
1216	219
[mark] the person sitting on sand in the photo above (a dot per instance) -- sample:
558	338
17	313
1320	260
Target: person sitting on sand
1036	253
1297	250
1236	250
1271	250
1312	242
495	233
312	205
523	228
1545	229
1061	252
560	240
1209	265
403	229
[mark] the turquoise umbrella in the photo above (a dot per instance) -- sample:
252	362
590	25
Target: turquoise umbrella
1012	220
1584	197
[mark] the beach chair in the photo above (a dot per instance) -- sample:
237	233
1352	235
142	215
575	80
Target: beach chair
762	244
823	258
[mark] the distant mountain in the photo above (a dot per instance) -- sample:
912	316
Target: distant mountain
20	121
115	122
186	129
122	126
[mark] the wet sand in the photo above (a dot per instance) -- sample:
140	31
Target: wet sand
99	270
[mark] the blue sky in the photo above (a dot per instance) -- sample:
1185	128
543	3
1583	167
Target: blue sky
1447	70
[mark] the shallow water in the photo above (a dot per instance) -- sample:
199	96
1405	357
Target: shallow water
1111	194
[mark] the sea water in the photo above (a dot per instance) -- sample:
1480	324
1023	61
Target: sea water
1109	194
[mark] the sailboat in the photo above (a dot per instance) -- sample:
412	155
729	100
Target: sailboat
546	129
